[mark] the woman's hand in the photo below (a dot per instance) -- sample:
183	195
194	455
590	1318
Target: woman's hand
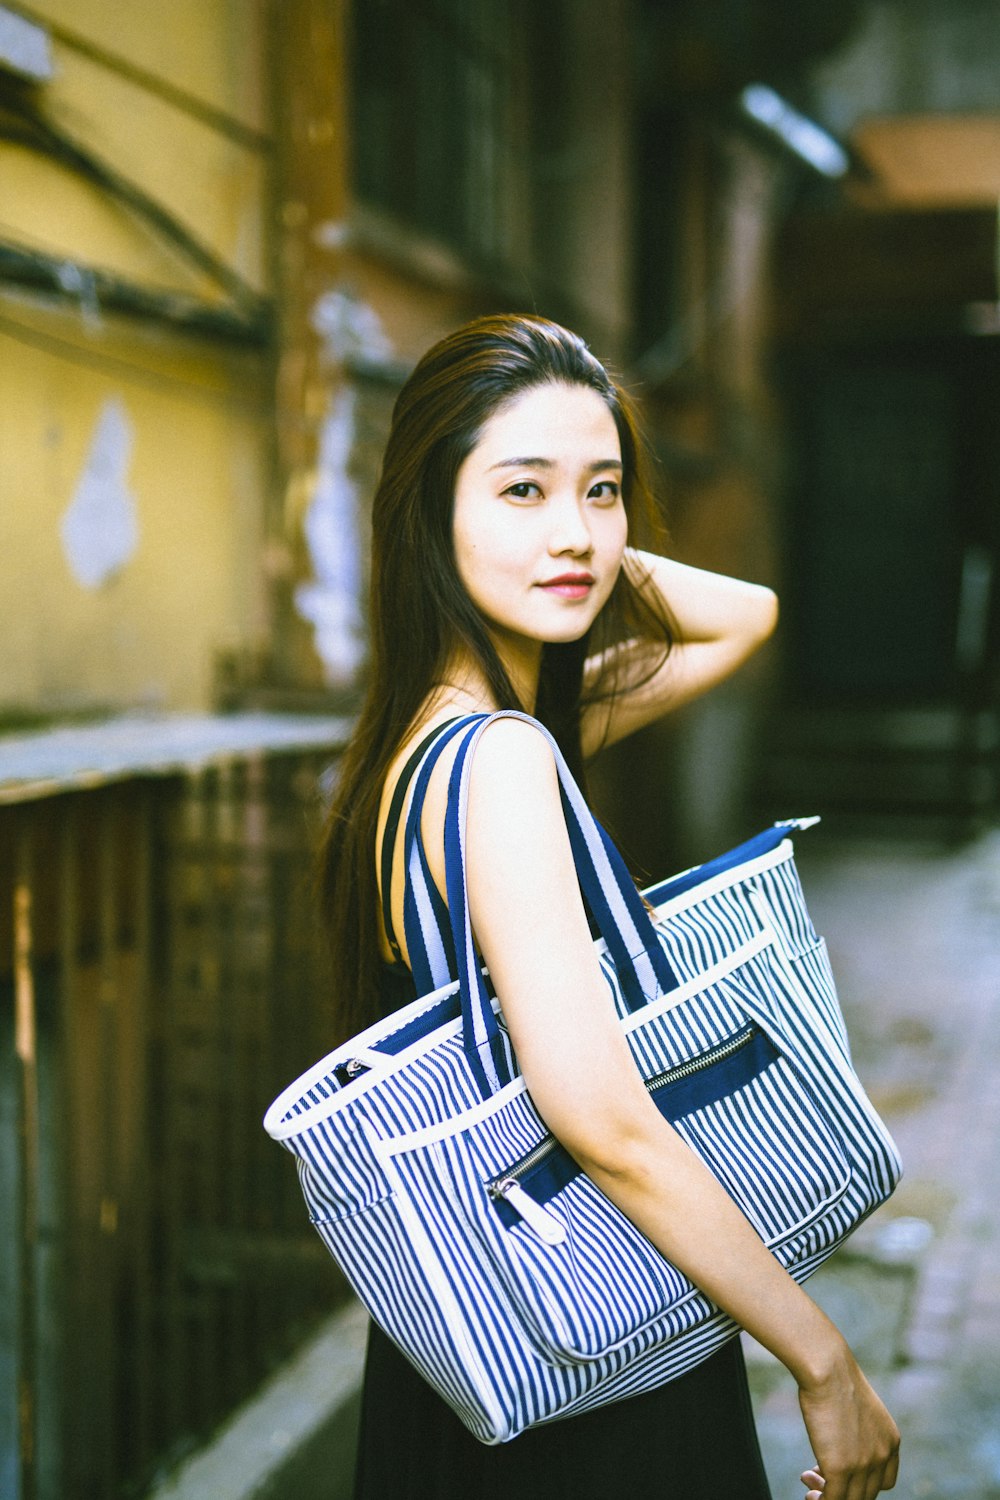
854	1438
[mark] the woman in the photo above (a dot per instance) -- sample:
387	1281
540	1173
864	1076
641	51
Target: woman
501	578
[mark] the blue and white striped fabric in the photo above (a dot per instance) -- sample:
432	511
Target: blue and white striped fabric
510	1281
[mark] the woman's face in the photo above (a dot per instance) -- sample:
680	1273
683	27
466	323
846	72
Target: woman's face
539	524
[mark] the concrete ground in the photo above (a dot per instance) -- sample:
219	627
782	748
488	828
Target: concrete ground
914	937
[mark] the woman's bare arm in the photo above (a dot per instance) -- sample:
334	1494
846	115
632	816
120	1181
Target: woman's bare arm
721	621
529	920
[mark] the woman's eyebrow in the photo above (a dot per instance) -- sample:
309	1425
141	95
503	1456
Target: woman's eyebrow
526	463
547	463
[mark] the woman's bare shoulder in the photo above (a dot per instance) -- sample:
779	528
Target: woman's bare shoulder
514	759
515	815
513	792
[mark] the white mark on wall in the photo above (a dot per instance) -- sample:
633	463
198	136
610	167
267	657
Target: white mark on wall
80	282
331	603
349	327
100	528
25	47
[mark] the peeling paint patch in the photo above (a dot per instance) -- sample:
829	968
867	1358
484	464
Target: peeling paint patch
100	528
349	327
25	47
331	603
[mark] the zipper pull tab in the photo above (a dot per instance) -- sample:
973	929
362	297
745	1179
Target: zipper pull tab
545	1224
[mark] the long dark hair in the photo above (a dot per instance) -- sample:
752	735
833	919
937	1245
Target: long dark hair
420	611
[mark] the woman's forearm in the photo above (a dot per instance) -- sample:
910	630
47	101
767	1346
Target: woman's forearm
671	1196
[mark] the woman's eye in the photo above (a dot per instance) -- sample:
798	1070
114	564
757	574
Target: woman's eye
608	490
523	490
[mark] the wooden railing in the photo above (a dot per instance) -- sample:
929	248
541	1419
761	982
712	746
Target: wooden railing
162	975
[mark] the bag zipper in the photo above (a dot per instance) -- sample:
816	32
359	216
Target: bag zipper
546	1224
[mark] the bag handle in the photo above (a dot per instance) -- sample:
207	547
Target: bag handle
622	920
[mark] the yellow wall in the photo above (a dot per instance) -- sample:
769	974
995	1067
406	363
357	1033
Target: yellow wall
199	413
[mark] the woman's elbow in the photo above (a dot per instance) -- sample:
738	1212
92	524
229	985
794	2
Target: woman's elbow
616	1150
766	610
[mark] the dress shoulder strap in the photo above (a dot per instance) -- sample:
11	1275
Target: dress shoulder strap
392	826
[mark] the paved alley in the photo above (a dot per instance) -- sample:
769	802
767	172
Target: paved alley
914	936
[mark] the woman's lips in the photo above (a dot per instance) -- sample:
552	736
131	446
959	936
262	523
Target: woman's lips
568	590
570	586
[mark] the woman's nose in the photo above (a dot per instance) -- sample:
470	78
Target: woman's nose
570	531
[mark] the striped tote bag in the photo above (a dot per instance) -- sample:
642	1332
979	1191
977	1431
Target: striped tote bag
516	1288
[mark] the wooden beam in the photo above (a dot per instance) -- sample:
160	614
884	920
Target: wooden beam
309	68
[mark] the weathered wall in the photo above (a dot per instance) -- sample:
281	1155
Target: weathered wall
134	456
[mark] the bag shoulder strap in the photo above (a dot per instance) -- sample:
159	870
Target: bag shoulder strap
391	829
643	968
429	945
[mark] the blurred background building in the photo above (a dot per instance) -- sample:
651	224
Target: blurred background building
227	230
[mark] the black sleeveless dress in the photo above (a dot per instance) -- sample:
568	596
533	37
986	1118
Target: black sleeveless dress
692	1439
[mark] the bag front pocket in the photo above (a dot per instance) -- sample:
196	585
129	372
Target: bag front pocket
769	1142
585	1280
600	1286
